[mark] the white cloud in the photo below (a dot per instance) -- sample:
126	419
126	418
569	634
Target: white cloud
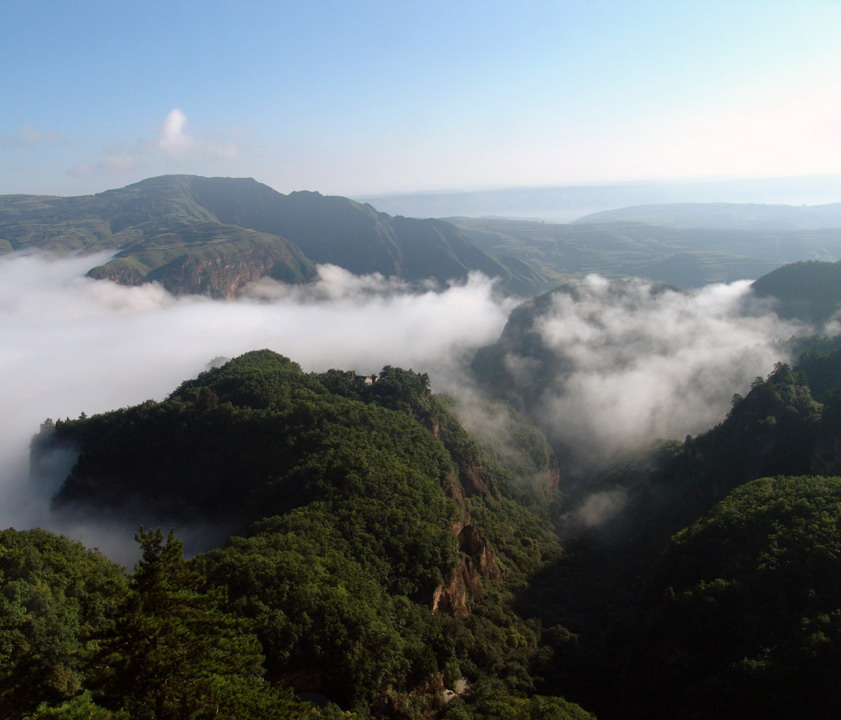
640	365
172	134
173	145
175	141
73	345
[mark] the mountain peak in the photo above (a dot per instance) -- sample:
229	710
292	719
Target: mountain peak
214	235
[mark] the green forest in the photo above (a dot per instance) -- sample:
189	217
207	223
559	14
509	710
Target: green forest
382	562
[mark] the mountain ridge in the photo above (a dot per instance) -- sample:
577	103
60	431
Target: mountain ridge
214	235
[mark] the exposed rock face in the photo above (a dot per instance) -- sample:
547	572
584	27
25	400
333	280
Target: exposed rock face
222	277
476	481
207	259
463	584
473	543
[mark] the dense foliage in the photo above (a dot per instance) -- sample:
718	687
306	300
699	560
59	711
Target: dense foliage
749	617
731	616
55	598
399	564
379	548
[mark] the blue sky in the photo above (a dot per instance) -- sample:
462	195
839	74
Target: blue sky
370	96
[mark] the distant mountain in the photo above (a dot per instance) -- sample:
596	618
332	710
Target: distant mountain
725	215
685	257
214	235
565	203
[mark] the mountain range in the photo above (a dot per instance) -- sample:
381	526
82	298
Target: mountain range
367	549
215	235
685	256
731	216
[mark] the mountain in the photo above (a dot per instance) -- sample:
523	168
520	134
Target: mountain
685	257
214	235
714	592
724	216
379	546
385	563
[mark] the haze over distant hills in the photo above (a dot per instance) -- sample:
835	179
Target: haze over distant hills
567	203
687	257
743	216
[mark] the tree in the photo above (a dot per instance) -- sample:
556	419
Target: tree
175	654
54	595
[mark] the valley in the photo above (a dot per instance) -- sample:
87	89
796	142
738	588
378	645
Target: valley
590	492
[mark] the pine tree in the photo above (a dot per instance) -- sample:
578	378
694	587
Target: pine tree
174	654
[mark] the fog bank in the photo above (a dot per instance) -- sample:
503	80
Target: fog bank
637	365
643	363
72	345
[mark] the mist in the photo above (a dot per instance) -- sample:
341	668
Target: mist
73	345
638	367
642	363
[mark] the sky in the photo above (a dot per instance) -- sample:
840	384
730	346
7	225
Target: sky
355	97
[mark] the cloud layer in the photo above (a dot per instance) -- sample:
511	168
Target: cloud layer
640	366
73	345
643	365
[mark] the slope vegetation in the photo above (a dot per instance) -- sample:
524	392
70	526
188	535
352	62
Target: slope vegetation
379	547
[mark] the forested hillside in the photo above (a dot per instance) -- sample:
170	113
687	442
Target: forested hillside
712	593
387	563
368	555
378	549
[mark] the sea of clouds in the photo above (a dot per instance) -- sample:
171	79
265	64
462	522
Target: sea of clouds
657	366
73	345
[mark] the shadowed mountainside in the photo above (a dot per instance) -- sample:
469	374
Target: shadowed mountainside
215	235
